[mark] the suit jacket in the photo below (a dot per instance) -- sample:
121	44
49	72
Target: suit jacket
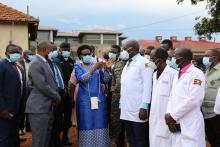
44	87
10	87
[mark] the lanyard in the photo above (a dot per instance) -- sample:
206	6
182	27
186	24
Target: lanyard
99	87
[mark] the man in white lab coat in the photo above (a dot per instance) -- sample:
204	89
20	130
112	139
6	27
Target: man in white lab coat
183	112
159	133
136	87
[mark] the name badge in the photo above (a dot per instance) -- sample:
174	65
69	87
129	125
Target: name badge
94	103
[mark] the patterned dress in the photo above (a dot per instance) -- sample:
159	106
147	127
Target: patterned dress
92	124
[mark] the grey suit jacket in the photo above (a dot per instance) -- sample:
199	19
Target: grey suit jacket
44	87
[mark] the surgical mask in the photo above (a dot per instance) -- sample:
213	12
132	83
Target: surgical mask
30	57
124	55
206	61
87	59
14	57
152	65
53	55
66	54
147	56
172	63
112	55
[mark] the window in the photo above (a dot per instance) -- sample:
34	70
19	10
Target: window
43	36
111	42
109	37
92	37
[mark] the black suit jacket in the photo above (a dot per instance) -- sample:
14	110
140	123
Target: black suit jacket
10	88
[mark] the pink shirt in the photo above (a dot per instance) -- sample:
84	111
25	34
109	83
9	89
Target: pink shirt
184	69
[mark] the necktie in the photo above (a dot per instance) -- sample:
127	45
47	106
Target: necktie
58	76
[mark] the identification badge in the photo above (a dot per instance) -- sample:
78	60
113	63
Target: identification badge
94	103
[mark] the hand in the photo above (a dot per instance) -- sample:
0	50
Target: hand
143	114
169	119
172	127
5	115
109	63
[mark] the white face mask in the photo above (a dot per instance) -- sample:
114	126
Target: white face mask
124	55
147	56
152	65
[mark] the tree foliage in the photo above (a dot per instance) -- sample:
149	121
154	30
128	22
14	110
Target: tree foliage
206	26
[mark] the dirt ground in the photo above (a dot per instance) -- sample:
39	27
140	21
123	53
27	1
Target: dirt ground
73	138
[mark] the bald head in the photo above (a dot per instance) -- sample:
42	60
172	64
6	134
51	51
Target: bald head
44	48
185	53
132	44
44	45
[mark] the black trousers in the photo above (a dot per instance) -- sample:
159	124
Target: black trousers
212	129
137	133
67	114
9	132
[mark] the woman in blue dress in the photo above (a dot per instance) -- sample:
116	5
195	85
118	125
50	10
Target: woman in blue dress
91	103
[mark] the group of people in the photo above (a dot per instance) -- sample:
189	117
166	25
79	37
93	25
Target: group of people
156	97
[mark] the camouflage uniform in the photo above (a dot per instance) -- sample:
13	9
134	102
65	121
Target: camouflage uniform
116	125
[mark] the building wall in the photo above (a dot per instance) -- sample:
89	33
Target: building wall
16	34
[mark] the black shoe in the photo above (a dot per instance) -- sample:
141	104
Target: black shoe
66	142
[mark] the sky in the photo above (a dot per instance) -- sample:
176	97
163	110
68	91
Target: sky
137	19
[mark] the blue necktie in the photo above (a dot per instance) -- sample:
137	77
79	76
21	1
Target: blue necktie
58	76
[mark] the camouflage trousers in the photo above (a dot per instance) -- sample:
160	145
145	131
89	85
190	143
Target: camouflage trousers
116	127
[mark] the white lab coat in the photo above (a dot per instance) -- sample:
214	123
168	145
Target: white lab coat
160	136
217	103
136	88
184	106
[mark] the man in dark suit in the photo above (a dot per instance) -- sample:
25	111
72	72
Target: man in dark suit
58	116
44	97
24	64
11	88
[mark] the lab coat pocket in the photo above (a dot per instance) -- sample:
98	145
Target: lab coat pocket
165	88
162	129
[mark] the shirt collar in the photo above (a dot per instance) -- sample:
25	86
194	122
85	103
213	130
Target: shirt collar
217	66
184	69
135	57
42	57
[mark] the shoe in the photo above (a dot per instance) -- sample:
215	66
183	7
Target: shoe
21	132
66	142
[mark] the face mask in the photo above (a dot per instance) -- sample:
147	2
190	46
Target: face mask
14	57
112	55
172	63
152	65
66	54
53	55
87	59
124	55
30	57
147	56
206	61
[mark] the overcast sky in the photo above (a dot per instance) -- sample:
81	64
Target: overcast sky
137	19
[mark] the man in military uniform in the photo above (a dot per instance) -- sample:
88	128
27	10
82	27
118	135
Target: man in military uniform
117	132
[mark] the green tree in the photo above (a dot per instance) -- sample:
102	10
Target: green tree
206	26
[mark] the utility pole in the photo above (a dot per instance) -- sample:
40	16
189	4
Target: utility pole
27	7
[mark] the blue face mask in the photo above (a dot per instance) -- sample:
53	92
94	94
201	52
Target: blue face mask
66	54
53	55
112	55
30	57
14	57
206	61
87	59
172	63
